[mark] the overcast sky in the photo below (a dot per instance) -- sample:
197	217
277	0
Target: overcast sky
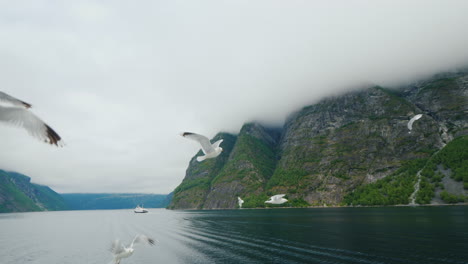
119	80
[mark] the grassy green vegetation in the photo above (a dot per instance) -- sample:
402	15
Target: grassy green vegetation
286	177
391	190
454	156
426	192
13	198
19	194
452	198
50	199
251	157
290	174
395	103
210	168
203	183
298	202
255	201
200	174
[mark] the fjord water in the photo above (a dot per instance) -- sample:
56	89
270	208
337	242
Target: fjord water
315	235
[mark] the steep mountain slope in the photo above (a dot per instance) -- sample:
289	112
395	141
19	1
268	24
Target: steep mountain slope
18	194
335	147
192	192
443	179
248	168
445	100
340	143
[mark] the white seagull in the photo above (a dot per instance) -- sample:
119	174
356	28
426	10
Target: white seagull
210	150
410	123
240	201
16	113
277	199
120	251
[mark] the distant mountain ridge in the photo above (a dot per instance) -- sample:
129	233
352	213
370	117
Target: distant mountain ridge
98	201
18	194
326	151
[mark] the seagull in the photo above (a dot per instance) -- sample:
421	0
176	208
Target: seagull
240	201
210	150
410	123
17	113
120	251
277	199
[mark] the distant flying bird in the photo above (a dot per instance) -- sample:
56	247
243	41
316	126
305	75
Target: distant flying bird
210	150
277	199
410	123
240	201
17	114
120	251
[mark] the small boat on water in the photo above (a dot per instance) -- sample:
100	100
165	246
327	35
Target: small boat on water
139	209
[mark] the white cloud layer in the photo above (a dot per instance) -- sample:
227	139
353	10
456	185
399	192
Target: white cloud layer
118	80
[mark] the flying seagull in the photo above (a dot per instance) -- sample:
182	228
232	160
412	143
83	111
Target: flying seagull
410	123
240	201
277	199
120	251
210	150
17	114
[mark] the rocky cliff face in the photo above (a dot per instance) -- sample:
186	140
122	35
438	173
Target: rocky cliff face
247	170
18	194
192	192
329	149
332	147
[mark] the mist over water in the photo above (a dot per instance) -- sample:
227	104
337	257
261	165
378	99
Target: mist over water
327	235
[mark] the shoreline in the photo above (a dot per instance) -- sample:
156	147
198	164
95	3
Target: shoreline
331	206
265	208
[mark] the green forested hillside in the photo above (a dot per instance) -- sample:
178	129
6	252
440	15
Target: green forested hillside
454	158
18	194
394	189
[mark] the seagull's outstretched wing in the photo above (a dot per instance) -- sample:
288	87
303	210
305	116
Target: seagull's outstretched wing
142	239
11	100
410	123
278	196
217	143
117	247
34	125
204	141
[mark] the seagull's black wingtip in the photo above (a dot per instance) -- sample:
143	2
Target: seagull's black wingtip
53	137
26	104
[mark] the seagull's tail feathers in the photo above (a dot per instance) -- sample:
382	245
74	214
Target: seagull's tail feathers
201	158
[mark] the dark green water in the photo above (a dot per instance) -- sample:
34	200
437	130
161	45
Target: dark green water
322	235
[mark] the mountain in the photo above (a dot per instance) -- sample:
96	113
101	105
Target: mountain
98	201
330	152
192	192
18	194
